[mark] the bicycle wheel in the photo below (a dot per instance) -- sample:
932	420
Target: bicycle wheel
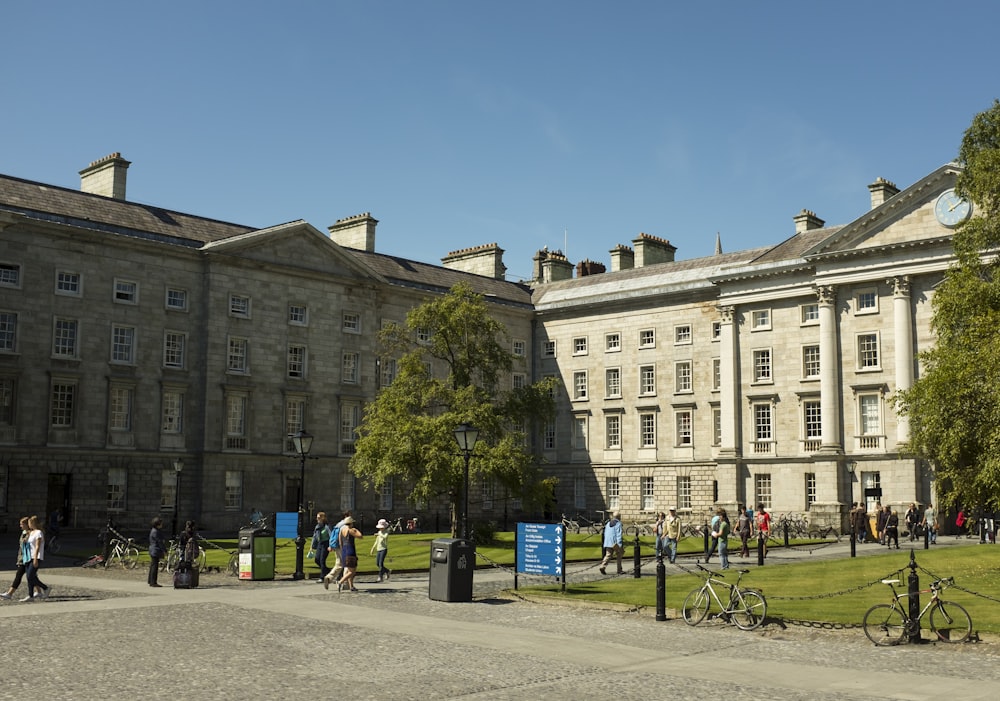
750	610
950	622
202	559
130	558
884	624
594	528
173	557
233	569
53	545
696	606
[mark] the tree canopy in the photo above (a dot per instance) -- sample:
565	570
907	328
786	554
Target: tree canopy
954	407
453	365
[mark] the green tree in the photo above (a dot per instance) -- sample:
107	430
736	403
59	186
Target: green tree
954	407
407	434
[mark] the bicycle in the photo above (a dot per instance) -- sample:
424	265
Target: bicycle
888	624
637	529
570	525
124	552
746	608
169	563
232	567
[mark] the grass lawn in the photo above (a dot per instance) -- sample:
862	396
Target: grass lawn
837	591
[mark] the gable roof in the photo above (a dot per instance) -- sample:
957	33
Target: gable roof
85	210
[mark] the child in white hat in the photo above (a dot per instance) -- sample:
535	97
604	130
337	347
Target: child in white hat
381	547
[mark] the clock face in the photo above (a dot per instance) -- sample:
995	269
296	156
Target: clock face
951	210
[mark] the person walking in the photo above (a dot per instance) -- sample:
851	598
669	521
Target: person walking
35	555
763	522
929	523
321	544
672	532
713	531
892	529
861	523
20	562
658	531
881	516
743	530
381	548
613	543
912	520
157	549
721	535
961	523
338	564
348	553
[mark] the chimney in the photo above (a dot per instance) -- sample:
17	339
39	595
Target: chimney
622	258
588	267
106	177
882	190
556	267
652	249
357	232
807	221
485	260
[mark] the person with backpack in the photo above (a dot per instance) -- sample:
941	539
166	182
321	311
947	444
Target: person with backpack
320	546
720	534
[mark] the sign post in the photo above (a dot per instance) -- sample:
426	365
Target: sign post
541	550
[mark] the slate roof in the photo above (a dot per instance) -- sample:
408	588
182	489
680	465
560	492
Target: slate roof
436	278
89	211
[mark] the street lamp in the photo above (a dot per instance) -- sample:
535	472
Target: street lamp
466	435
178	466
302	441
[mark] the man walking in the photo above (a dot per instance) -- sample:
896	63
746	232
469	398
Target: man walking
613	534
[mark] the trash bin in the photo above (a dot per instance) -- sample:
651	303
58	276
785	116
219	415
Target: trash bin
452	563
256	553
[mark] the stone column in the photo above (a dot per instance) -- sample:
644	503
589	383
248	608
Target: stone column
828	364
903	340
729	379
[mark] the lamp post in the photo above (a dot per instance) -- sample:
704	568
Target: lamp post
178	466
466	435
851	467
302	441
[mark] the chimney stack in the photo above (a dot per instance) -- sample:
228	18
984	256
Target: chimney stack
357	232
882	190
622	258
485	260
807	221
650	250
106	177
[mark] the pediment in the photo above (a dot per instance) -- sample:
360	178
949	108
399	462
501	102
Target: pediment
297	245
903	221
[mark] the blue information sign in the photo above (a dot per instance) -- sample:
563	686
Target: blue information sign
286	524
541	549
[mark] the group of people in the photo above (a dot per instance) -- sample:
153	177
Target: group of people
341	540
667	530
30	555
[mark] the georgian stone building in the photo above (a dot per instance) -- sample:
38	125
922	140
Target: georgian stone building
134	340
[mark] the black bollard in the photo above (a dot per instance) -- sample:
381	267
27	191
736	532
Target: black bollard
927	537
785	524
661	588
760	549
913	588
854	543
707	552
636	561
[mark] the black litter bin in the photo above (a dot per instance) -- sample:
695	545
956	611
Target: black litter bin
452	563
256	553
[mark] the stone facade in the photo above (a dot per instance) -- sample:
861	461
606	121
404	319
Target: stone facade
134	338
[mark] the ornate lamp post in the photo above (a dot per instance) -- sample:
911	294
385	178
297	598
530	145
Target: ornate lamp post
466	435
302	441
178	467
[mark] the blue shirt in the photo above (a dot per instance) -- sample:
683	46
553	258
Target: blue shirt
613	533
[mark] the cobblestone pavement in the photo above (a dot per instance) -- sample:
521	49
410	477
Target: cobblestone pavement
107	634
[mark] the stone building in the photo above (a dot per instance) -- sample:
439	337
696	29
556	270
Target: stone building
135	340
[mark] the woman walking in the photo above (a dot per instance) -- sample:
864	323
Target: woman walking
35	554
381	548
348	554
20	562
157	549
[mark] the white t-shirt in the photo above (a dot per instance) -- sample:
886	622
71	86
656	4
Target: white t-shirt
36	539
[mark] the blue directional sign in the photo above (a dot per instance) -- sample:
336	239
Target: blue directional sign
541	549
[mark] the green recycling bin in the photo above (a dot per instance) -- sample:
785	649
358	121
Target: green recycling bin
256	554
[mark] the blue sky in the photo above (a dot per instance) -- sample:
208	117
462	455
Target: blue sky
572	125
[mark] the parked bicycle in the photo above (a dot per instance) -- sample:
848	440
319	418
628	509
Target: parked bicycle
124	552
570	525
889	624
169	563
746	608
637	529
